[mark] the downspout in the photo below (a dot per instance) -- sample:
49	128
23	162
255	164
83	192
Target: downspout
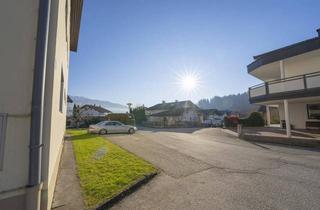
35	152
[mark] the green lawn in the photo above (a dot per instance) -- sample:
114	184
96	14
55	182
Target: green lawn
104	168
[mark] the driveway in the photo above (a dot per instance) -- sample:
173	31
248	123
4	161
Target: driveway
210	169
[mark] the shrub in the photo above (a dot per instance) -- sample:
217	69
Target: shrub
231	121
125	118
255	119
139	114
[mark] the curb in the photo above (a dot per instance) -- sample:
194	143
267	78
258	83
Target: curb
132	188
283	141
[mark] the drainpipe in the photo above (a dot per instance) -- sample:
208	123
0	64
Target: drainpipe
35	153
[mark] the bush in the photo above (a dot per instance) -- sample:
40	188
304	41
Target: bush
231	121
125	118
90	121
139	114
255	119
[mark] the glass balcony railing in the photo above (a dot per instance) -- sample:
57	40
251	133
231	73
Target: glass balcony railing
299	83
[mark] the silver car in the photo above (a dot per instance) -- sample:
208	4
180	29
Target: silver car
106	127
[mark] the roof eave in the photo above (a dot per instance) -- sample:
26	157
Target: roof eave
285	52
75	20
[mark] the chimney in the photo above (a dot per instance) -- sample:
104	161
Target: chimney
318	30
176	101
163	101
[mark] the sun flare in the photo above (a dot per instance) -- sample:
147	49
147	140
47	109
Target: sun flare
188	81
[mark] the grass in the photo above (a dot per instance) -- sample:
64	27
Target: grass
104	168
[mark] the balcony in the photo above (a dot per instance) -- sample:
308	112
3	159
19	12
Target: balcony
292	87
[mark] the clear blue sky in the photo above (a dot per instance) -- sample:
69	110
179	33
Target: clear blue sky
131	50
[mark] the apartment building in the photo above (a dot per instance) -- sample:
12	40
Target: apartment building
290	81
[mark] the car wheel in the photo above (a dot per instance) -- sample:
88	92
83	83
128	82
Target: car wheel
131	131
103	132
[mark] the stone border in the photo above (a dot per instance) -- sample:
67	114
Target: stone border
132	188
282	140
300	142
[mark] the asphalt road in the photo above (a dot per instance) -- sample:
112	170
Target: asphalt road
209	169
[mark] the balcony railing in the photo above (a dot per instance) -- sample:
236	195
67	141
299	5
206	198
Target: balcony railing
294	84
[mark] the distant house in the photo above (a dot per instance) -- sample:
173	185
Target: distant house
214	114
174	114
93	111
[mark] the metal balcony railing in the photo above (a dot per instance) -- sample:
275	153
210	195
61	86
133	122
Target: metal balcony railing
289	84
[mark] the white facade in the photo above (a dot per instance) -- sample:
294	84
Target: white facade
291	82
187	116
19	25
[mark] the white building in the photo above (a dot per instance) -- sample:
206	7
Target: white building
36	38
93	111
291	82
174	114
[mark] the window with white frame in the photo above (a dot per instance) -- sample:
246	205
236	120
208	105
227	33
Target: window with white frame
313	111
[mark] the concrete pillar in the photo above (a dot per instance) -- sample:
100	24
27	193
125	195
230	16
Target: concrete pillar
287	117
282	73
268	115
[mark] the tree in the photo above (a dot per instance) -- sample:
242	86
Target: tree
139	114
76	115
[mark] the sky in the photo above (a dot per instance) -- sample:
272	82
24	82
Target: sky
135	50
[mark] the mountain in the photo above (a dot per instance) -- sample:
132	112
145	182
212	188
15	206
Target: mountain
235	102
80	100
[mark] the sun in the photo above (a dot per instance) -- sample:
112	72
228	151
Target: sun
188	81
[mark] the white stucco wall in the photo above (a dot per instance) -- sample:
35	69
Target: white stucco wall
18	21
302	64
298	114
55	120
191	116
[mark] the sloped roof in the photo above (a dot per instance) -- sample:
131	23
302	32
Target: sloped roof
174	112
69	99
285	52
174	105
96	108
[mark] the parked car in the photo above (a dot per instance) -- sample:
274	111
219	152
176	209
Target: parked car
216	122
106	127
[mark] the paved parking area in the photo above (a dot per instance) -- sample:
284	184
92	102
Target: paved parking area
210	169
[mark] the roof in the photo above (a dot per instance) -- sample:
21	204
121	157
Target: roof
69	99
75	19
96	108
174	105
285	52
173	112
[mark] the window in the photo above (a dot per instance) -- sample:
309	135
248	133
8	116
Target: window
61	92
66	19
313	111
3	128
